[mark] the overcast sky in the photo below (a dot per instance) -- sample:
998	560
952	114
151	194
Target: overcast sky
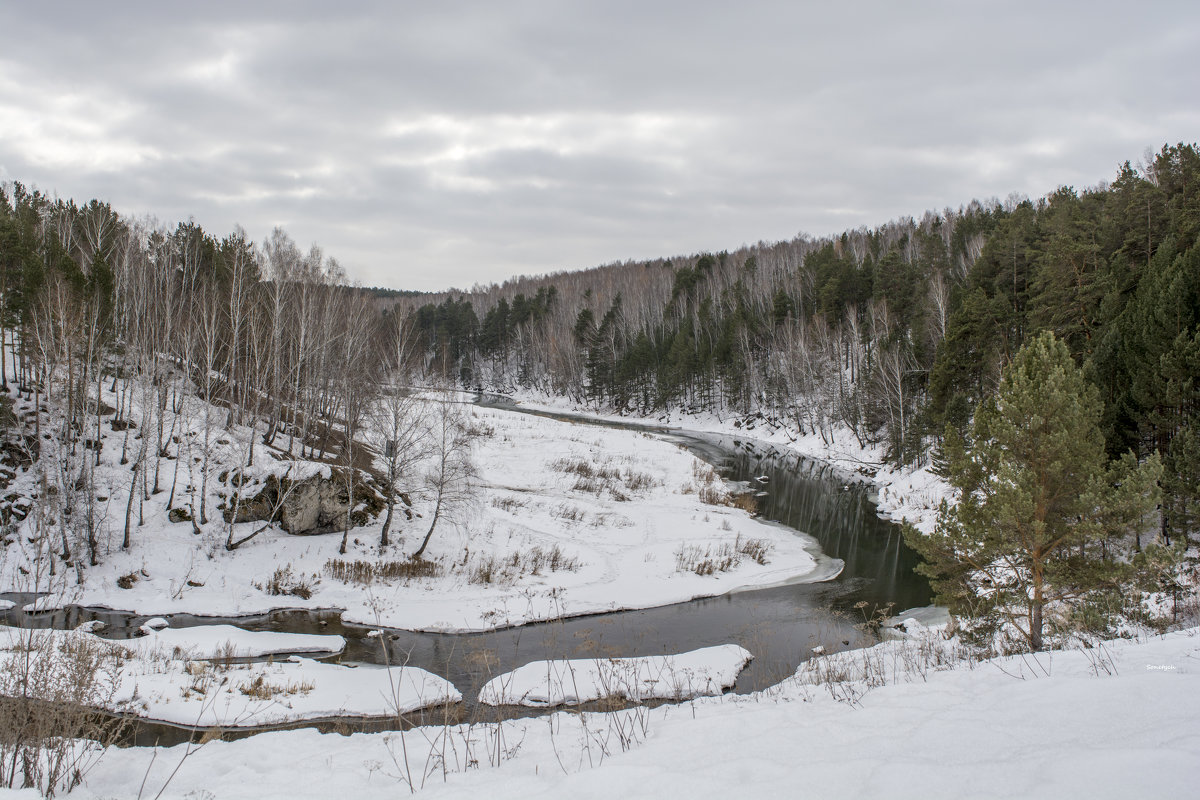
428	145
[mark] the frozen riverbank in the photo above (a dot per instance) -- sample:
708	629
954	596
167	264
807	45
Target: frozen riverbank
1107	723
190	677
567	520
904	494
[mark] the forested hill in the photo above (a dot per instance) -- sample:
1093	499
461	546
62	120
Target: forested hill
892	333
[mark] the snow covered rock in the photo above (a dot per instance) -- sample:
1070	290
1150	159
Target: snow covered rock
315	503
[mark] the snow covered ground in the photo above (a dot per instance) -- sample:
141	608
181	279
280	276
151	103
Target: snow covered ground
707	671
907	494
187	679
1116	721
248	695
569	519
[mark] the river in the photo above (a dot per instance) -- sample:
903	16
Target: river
780	625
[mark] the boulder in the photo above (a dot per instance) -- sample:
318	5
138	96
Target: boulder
316	504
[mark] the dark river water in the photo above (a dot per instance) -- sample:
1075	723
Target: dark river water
780	625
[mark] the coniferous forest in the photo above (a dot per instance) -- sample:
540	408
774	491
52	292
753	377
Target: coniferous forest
895	334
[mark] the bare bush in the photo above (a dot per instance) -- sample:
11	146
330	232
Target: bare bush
50	687
286	583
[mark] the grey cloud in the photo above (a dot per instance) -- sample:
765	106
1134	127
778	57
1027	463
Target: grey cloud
432	144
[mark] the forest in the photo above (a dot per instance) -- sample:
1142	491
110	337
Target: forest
895	334
166	390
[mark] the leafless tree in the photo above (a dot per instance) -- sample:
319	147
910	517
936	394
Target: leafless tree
451	474
356	387
398	423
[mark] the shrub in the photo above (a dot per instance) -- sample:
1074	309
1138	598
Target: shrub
285	582
367	572
50	732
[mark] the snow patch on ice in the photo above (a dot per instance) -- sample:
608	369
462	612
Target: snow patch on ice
707	671
229	641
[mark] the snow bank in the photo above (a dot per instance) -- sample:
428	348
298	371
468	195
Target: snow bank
1005	728
153	681
203	642
707	671
262	694
229	641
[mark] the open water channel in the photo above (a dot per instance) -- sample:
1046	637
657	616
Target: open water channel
779	625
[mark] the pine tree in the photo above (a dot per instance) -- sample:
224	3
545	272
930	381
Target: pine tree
1039	512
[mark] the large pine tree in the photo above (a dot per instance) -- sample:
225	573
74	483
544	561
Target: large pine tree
1040	516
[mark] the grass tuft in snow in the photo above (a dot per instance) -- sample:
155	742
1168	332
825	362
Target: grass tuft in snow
724	557
287	583
258	688
592	477
506	569
367	572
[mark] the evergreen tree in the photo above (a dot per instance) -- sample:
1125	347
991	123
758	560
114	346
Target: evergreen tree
1039	512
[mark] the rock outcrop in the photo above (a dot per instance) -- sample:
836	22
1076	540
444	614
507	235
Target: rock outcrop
315	504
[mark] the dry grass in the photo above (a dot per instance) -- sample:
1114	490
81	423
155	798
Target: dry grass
509	504
365	573
258	688
746	501
850	674
50	734
721	558
586	469
568	513
490	569
597	478
287	583
707	485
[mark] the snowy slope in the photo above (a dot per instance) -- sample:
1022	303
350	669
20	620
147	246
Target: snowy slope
1118	724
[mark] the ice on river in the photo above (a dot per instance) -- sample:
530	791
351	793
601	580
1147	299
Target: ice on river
229	641
708	671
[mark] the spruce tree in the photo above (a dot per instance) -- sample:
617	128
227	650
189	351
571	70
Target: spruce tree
1040	515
